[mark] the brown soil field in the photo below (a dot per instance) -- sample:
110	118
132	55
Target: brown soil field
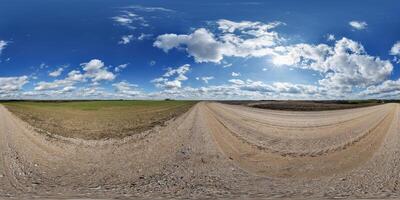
294	105
97	119
213	151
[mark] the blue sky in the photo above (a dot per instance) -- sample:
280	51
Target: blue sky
287	49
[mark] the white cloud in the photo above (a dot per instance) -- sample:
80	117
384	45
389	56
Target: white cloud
11	85
330	37
166	81
150	9
56	72
237	39
94	71
395	50
126	39
130	20
3	45
358	25
57	84
236	81
126	89
234	74
43	66
344	66
144	36
388	89
248	89
227	65
207	78
120	67
123	19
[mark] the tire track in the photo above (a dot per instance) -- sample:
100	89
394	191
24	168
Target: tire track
206	151
263	160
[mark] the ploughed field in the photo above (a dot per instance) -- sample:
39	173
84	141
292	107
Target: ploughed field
212	150
295	105
97	119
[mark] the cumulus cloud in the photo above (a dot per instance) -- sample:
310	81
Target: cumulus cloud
395	51
11	85
56	72
358	25
173	78
247	89
94	70
389	88
236	39
126	89
344	65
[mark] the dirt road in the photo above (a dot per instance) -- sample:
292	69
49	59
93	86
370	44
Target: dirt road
214	150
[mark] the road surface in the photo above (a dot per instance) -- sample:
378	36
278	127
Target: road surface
213	150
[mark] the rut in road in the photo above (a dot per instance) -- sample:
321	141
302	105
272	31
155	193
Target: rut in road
213	150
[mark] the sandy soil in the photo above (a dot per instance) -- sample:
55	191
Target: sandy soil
213	150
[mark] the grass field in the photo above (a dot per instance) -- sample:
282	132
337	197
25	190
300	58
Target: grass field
97	119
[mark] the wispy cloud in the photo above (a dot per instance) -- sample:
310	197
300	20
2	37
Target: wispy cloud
56	72
3	45
126	39
358	25
150	9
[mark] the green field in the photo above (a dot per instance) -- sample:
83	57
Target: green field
97	119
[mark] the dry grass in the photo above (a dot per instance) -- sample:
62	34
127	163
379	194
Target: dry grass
97	119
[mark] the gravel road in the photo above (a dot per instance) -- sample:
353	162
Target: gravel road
213	150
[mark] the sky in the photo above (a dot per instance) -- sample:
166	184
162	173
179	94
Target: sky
219	49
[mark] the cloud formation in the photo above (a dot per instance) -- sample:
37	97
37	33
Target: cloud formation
3	45
358	25
344	65
9	86
56	72
235	39
94	71
395	50
167	81
126	39
119	68
126	89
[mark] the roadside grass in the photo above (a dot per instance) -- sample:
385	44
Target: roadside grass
97	119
